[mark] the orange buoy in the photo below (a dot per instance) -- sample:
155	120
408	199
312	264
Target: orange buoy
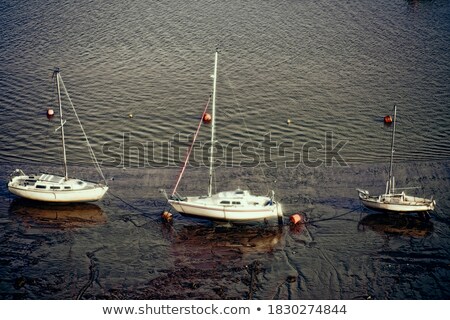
295	218
207	117
50	113
387	119
167	216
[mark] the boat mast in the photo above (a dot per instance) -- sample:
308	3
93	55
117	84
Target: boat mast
57	76
391	177
211	159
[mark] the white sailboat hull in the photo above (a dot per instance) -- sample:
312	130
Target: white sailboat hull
396	202
223	213
51	188
90	195
253	209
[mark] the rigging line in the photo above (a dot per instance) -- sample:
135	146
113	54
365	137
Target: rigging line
191	147
91	151
246	127
215	182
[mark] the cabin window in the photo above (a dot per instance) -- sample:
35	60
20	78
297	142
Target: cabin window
41	187
239	192
225	202
67	187
55	187
236	202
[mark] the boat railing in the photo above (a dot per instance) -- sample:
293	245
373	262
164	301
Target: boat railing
16	173
177	197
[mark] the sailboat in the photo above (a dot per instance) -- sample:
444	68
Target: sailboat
392	200
48	187
236	206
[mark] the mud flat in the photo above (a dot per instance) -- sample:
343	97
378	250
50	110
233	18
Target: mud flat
120	248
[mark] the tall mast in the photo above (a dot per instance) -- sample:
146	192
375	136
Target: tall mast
57	77
211	159
391	177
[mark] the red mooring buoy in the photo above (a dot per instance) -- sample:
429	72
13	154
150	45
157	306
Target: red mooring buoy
387	119
50	113
207	118
296	218
167	216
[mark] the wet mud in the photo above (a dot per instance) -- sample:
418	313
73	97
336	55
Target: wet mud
121	248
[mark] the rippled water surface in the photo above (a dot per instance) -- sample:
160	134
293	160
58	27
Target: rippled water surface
329	66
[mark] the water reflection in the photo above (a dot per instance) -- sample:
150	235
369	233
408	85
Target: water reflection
402	225
235	239
216	262
63	216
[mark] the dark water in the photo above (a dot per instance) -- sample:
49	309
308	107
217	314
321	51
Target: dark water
328	66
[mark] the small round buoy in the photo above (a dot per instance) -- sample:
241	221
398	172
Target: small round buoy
295	218
167	216
388	119
207	117
50	113
130	115
288	121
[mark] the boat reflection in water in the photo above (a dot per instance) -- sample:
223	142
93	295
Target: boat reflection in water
217	262
205	248
75	215
239	239
394	224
